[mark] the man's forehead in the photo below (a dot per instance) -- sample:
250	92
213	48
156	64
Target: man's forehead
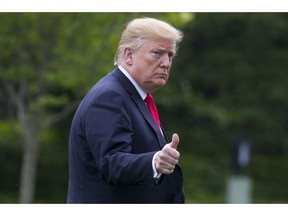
162	45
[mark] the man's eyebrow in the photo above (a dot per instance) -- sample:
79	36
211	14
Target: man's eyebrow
165	50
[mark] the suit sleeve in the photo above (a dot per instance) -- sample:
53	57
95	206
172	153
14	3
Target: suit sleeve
110	135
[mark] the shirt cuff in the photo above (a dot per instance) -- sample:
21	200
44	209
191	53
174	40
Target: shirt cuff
156	175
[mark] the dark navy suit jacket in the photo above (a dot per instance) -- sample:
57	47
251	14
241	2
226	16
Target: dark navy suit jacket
112	141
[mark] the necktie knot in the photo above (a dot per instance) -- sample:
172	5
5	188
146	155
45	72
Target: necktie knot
149	100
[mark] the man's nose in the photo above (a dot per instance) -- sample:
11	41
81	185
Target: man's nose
166	61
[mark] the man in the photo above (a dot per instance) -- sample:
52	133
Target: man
118	153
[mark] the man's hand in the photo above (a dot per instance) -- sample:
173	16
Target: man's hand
167	158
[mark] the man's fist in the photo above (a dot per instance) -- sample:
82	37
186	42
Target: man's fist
167	158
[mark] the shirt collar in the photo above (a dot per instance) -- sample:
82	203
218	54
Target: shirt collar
142	93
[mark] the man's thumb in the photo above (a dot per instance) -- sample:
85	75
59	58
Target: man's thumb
175	141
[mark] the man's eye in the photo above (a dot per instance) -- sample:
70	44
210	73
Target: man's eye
156	53
171	56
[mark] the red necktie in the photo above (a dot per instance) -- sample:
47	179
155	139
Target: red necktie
152	107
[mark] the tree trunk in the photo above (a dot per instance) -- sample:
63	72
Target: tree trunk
32	125
32	129
29	171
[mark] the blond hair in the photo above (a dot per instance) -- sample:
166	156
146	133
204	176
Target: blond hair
145	28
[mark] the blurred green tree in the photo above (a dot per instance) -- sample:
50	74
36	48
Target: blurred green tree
231	75
48	61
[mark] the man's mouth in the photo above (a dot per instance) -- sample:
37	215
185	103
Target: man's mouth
161	75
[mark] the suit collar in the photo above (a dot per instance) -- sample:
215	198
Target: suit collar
141	92
126	83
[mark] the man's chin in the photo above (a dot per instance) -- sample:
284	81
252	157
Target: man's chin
159	85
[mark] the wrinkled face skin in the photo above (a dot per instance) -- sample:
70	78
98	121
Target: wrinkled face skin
150	64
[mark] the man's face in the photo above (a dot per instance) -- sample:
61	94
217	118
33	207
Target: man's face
151	63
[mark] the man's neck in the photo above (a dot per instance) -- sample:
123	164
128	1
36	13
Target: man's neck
141	92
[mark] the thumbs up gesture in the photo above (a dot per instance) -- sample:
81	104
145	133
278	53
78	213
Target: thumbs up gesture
167	158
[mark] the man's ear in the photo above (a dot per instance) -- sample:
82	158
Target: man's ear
128	55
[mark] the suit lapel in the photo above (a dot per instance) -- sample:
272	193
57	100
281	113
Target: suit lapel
147	115
140	104
164	135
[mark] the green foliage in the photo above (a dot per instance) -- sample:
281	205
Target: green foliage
53	176
228	82
10	132
231	77
10	160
